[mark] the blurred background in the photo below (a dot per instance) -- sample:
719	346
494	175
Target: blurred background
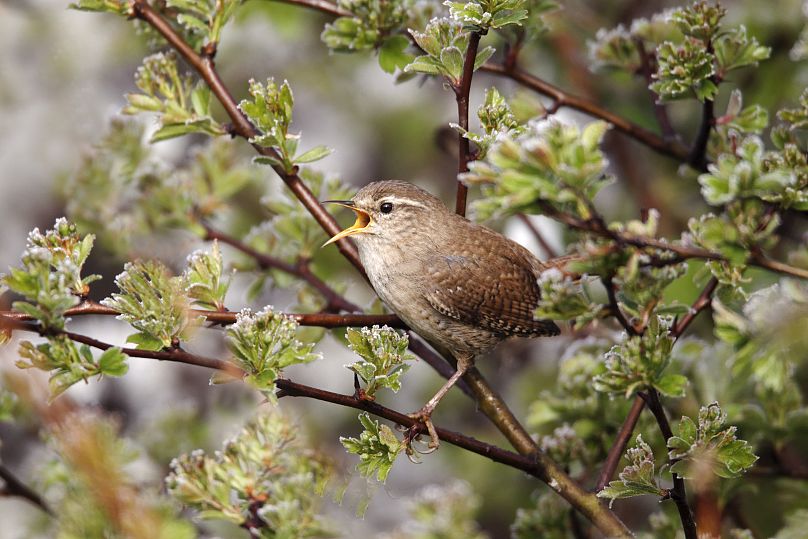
63	75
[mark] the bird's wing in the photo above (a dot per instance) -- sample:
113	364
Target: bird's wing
494	291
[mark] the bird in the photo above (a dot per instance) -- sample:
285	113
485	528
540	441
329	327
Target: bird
461	286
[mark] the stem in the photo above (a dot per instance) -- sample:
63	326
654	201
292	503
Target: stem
462	93
698	154
615	306
596	226
14	487
536	464
620	443
242	127
492	405
302	271
325	320
678	495
545	245
671	148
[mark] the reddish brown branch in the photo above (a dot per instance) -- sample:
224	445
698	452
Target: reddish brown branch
335	300
561	99
325	320
623	437
12	486
620	443
545	245
321	5
462	93
242	127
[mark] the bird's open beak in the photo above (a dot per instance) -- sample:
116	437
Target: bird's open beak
362	220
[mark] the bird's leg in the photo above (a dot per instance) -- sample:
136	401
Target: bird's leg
464	363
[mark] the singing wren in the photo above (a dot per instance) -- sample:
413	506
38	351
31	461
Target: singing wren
461	286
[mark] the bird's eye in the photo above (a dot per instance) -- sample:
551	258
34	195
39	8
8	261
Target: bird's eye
387	207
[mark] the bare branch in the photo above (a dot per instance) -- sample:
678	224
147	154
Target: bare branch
462	94
562	99
620	443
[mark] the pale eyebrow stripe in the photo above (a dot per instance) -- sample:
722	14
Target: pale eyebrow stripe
400	200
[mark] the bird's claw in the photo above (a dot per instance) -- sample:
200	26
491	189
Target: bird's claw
413	434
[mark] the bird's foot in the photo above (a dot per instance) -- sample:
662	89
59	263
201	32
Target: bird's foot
423	419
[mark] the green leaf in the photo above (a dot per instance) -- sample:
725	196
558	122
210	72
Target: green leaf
377	448
393	55
383	351
636	479
113	362
315	154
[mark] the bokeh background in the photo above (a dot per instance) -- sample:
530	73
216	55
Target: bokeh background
63	74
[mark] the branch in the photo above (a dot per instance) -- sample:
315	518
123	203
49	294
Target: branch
626	431
325	320
537	465
596	226
698	154
335	300
242	127
322	6
661	112
561	98
678	495
462	93
620	443
545	245
14	487
615	306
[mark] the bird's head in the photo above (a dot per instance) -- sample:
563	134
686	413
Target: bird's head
390	210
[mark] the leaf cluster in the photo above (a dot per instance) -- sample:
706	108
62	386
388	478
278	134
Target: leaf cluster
640	362
496	119
153	302
383	351
709	446
263	479
483	15
636	479
263	344
444	511
68	363
202	20
551	163
204	282
444	42
270	110
50	275
182	106
377	448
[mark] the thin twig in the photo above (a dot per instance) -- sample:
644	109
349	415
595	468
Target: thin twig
335	300
321	5
671	148
678	495
608	282
14	487
462	93
545	245
660	110
596	226
623	437
698	154
242	127
620	443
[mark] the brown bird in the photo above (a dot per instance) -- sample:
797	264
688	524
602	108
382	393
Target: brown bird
461	286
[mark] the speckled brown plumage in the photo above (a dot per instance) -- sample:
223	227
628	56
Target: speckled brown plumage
458	284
